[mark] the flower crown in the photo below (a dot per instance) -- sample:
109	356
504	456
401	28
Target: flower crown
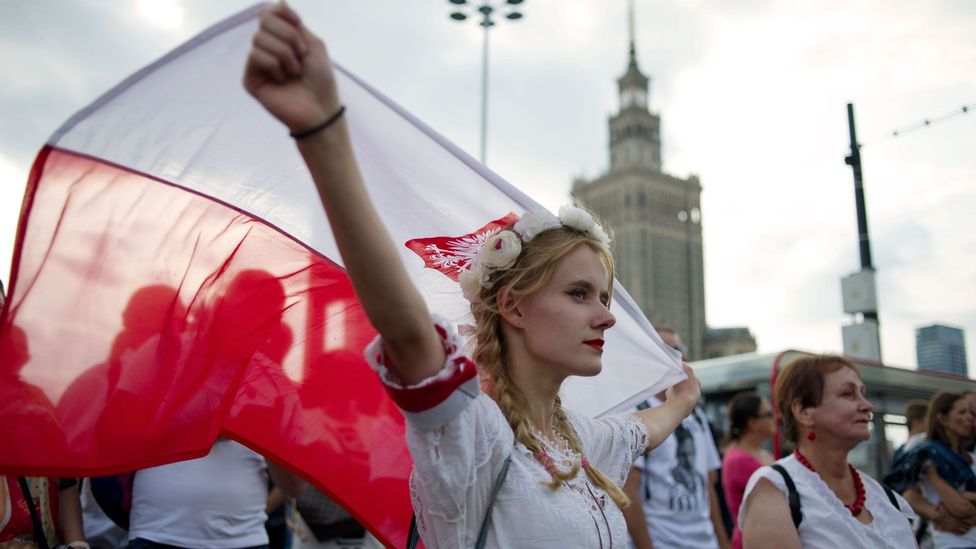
500	250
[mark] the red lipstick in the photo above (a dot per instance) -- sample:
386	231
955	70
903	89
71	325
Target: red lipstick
595	343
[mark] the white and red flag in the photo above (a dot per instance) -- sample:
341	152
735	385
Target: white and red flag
175	279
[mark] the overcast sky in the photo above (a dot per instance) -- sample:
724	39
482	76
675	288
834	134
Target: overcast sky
751	94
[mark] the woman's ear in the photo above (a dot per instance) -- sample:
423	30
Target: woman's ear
802	416
509	308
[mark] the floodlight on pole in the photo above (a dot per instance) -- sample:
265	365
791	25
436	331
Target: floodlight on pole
487	9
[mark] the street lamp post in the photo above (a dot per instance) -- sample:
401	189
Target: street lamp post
487	9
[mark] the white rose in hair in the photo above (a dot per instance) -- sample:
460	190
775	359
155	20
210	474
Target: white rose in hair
533	223
576	218
472	280
500	251
600	234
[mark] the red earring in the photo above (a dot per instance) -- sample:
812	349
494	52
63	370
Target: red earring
811	435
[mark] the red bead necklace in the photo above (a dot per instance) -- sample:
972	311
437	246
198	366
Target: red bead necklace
858	505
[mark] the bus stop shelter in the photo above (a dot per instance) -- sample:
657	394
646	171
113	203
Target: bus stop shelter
889	388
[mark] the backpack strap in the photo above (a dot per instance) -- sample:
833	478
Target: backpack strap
413	536
39	538
483	533
923	526
791	495
891	496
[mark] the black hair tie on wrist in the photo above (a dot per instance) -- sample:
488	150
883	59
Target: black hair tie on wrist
316	129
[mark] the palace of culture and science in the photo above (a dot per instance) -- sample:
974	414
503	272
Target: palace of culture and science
656	220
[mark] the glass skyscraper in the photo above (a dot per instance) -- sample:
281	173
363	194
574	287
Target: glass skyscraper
941	348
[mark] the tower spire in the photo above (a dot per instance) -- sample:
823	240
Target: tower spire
630	31
634	138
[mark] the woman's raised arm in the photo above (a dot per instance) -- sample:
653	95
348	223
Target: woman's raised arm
289	72
661	421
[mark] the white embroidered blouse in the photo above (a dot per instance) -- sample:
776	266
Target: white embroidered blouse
459	440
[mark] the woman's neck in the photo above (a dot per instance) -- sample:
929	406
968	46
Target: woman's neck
537	383
953	442
540	394
829	461
751	442
540	410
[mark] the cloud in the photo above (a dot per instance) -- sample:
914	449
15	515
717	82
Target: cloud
12	181
167	14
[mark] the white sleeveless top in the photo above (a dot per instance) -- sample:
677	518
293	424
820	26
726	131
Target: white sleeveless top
827	524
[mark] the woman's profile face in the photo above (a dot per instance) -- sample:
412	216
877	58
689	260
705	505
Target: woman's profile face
564	321
959	420
971	399
764	422
844	411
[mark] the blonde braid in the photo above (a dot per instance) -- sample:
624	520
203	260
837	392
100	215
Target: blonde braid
565	429
489	354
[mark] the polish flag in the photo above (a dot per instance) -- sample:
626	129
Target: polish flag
175	280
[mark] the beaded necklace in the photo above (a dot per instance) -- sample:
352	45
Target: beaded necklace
543	457
858	505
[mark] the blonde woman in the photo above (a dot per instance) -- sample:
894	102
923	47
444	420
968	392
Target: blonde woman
539	293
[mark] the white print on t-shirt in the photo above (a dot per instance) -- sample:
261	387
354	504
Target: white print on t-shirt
688	491
674	485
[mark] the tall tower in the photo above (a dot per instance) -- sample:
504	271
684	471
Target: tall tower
655	217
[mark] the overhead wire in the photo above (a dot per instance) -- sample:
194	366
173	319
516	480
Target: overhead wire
926	123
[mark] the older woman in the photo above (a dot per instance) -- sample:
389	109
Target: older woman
825	415
751	424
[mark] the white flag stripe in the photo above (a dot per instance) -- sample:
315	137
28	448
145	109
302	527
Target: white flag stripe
186	120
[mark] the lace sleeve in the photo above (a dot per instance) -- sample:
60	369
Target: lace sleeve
612	442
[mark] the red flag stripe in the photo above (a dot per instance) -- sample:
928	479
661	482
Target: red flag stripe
178	319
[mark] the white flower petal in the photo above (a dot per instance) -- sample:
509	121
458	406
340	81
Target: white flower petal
576	218
501	250
470	281
532	223
600	234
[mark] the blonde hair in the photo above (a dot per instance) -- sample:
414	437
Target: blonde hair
531	271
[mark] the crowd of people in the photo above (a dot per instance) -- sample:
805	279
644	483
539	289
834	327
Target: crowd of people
498	461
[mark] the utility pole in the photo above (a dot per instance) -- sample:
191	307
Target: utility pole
861	339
